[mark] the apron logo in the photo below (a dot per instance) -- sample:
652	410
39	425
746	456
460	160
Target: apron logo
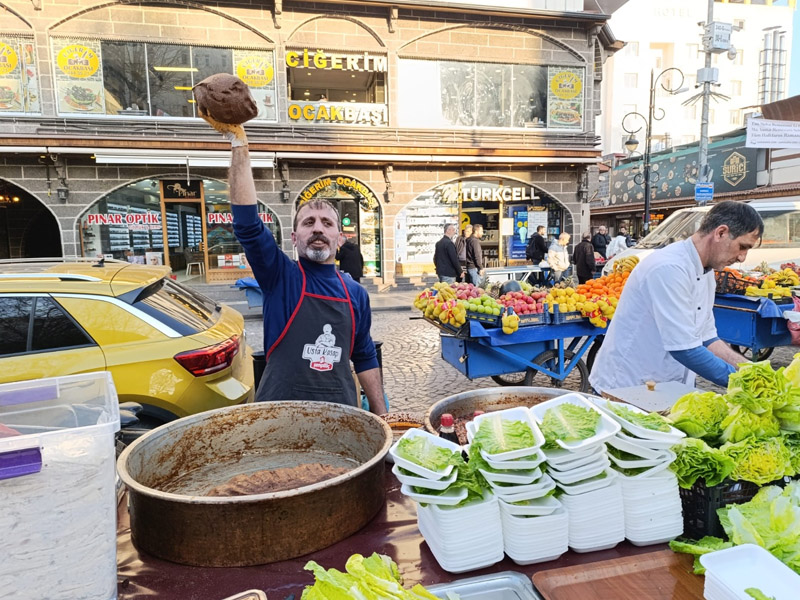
323	353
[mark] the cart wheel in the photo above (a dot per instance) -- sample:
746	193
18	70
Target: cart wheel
577	380
510	378
763	354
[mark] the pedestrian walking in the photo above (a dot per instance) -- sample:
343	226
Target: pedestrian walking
536	251
350	259
475	264
445	257
558	257
583	257
601	240
461	249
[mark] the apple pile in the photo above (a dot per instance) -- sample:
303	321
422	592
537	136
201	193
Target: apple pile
467	291
524	304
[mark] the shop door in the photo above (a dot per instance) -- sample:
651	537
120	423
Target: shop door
183	225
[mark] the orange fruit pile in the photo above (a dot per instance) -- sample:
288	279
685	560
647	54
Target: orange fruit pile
608	285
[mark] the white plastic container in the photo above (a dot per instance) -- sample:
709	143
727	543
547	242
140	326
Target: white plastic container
747	566
673	435
585	472
606	426
625	445
589	485
520	477
58	500
419	469
666	456
646	443
531	508
431	484
512	414
525	463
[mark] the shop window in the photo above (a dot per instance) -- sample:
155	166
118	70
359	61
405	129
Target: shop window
155	80
19	83
463	94
336	88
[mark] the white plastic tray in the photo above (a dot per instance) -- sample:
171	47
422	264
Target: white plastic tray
631	447
519	413
654	470
749	565
418	469
652	444
449	498
559	464
536	459
520	477
431	484
585	472
606	427
674	435
534	507
666	456
547	484
590	486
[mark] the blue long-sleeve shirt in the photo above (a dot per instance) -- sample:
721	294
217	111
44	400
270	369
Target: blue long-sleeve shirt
281	284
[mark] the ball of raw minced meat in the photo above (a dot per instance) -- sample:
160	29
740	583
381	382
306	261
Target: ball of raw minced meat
225	98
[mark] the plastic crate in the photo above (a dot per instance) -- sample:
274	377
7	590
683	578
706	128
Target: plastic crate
534	319
57	488
557	317
700	504
486	319
728	283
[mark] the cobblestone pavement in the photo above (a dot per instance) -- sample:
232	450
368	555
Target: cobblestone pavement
416	376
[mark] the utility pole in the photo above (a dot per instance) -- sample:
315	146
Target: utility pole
702	172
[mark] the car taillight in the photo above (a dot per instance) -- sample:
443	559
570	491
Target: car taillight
209	359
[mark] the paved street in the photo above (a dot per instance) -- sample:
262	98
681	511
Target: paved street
415	374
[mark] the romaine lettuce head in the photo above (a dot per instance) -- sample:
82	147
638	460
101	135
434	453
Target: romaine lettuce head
792	372
697	460
569	423
423	452
496	435
742	423
759	460
756	387
700	415
792	442
333	585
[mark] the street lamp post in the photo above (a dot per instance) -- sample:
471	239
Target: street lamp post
632	143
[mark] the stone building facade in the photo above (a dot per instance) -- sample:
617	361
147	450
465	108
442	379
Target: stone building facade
406	116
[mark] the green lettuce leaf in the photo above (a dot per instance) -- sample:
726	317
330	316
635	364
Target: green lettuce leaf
423	452
792	442
496	435
333	585
700	415
759	460
698	548
757	594
757	387
741	424
569	423
697	460
652	421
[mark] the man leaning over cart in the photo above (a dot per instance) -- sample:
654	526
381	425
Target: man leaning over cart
663	328
315	320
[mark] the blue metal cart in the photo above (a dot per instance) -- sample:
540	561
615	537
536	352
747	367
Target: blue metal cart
752	323
540	355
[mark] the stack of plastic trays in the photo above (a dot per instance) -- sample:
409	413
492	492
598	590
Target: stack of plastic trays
515	475
581	469
731	571
535	530
418	481
463	538
636	434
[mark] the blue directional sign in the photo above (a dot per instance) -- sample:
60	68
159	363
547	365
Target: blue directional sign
703	192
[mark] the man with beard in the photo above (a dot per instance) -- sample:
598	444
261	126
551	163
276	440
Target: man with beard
304	299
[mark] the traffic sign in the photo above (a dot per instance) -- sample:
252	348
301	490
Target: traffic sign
703	192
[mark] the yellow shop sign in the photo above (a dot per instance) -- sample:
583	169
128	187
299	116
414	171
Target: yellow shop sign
8	59
255	71
566	85
341	61
77	61
347	113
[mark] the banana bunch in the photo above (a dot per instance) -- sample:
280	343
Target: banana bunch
444	291
625	265
453	313
785	277
421	301
510	322
766	292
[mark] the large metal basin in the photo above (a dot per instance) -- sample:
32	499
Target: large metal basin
463	405
168	471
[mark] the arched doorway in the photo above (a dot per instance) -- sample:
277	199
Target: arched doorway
360	214
27	227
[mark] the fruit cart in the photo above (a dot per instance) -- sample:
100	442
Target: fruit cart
753	323
549	355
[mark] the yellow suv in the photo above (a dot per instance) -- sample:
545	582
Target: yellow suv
168	348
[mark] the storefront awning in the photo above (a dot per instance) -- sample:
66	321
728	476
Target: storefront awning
192	158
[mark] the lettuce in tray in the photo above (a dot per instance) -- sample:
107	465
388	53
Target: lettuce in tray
652	421
422	452
569	423
497	436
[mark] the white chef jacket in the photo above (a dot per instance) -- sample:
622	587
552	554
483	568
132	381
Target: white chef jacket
667	304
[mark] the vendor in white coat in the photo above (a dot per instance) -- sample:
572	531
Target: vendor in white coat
558	256
663	328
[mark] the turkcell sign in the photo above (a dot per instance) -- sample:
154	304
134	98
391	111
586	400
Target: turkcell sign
703	192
